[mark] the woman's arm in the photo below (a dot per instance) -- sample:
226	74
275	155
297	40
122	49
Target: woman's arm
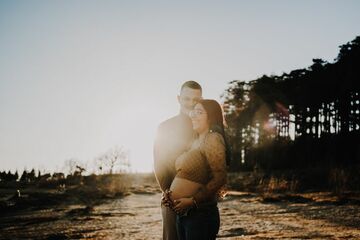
214	150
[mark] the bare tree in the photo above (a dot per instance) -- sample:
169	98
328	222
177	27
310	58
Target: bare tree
114	159
70	165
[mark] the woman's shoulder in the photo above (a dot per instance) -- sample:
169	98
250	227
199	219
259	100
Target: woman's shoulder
213	138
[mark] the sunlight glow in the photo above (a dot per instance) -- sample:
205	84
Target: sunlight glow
80	77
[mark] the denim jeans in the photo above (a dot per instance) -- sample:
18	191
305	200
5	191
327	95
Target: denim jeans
199	224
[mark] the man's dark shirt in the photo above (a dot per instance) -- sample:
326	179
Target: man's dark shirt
173	138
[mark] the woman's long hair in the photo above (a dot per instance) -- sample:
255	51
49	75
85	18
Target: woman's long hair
216	122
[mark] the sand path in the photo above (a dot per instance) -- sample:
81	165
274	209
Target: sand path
137	216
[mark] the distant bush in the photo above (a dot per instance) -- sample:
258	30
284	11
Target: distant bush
334	179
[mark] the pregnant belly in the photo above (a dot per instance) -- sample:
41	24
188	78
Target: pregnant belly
181	187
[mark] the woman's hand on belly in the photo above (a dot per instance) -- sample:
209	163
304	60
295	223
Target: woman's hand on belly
182	204
182	191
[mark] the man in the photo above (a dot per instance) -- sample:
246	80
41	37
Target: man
173	137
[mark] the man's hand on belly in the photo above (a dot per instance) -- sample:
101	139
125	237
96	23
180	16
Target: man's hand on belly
166	199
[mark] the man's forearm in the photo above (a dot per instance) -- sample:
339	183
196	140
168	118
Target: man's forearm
163	175
163	181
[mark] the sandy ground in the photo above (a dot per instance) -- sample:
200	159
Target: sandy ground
243	216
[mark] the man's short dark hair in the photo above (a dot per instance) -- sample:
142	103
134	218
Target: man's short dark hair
191	84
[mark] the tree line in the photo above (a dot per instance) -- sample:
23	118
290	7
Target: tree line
308	117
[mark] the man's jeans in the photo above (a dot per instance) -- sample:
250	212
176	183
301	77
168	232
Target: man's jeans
202	223
169	223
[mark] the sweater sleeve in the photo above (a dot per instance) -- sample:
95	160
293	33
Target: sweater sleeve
214	150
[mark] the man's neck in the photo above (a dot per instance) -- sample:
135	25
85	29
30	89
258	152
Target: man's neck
183	114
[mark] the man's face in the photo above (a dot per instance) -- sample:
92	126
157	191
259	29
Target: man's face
188	98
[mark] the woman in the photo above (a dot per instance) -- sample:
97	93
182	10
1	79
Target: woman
201	172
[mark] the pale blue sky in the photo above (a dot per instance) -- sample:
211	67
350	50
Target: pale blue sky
79	77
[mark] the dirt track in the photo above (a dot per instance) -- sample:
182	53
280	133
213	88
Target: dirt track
137	216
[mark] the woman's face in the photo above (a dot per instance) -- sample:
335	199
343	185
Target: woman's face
199	119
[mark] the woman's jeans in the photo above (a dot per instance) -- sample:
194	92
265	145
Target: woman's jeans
201	223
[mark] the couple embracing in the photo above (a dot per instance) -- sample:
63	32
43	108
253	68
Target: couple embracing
190	156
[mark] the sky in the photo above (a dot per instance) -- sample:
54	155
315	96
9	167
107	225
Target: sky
78	78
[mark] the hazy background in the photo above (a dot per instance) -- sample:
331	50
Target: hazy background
80	77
